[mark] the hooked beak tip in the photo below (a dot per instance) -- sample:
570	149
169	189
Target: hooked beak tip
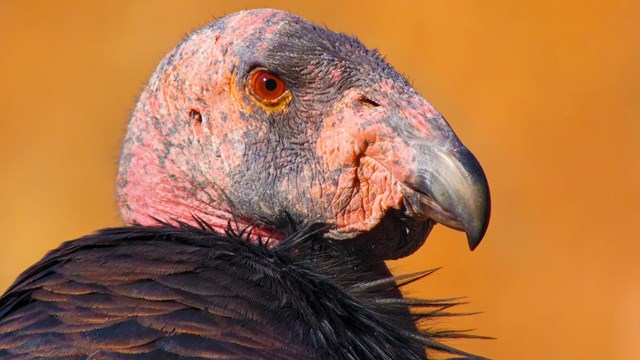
475	233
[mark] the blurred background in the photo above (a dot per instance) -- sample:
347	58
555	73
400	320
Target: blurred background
545	93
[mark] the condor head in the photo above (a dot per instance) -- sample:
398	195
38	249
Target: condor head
265	120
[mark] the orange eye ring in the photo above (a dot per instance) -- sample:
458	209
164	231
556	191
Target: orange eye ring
267	87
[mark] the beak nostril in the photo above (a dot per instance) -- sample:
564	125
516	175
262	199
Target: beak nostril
368	101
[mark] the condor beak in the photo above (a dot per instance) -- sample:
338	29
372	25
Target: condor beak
449	187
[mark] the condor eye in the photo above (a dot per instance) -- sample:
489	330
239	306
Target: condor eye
267	87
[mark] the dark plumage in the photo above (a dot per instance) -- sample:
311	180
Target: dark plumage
269	169
200	295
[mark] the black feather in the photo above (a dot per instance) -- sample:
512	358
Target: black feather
183	292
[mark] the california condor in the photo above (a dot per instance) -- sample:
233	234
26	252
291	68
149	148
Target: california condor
269	168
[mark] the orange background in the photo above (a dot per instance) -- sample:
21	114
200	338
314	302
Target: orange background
546	94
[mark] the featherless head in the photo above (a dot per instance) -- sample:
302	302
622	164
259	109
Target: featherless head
267	120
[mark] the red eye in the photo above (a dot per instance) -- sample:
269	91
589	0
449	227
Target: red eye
267	86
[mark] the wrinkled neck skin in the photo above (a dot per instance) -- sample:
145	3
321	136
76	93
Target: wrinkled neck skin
154	197
150	195
158	186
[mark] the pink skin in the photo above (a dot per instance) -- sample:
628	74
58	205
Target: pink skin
357	142
188	133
